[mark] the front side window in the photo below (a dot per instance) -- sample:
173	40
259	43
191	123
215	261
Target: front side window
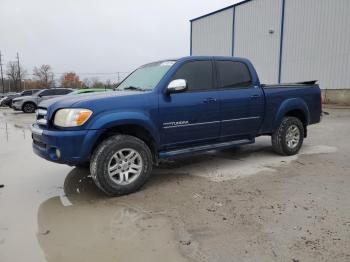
198	74
26	93
49	92
146	77
233	74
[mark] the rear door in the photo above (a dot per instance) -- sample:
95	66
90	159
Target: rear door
242	103
192	116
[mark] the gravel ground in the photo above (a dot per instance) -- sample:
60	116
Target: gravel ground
245	204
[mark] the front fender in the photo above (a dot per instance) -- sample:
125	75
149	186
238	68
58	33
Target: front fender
289	105
113	119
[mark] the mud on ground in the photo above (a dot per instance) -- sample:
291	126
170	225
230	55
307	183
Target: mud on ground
245	204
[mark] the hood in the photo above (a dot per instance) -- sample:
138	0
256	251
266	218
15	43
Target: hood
21	98
92	101
72	100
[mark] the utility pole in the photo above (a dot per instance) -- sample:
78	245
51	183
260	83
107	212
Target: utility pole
19	73
2	76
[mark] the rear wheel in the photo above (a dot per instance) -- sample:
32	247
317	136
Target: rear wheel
289	136
121	165
29	107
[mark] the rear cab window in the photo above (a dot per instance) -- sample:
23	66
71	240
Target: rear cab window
233	74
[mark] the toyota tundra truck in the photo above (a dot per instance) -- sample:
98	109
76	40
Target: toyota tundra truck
172	108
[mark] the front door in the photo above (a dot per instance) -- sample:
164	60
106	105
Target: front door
193	116
47	94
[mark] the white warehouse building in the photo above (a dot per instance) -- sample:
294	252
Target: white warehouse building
286	40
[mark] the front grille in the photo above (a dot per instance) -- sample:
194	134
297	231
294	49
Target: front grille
41	116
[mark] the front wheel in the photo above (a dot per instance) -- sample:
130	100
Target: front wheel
121	165
289	136
29	107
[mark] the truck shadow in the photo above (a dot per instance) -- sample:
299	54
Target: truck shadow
211	157
79	186
90	226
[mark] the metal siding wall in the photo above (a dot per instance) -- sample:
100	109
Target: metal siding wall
316	42
212	35
252	39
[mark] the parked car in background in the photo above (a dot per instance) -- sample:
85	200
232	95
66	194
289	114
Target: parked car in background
89	90
28	104
4	96
172	108
9	99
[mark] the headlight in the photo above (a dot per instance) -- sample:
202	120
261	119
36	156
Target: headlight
70	117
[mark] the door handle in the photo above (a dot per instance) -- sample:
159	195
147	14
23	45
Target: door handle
209	100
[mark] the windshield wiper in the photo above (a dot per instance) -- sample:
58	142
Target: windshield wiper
134	88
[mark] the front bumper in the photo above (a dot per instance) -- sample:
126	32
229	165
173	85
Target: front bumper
16	106
74	147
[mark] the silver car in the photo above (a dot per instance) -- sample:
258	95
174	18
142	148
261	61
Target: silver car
28	104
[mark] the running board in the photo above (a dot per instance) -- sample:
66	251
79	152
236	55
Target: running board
195	149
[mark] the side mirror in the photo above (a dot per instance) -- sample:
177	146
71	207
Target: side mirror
177	86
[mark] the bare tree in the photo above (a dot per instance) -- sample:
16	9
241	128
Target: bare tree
44	75
87	83
108	83
95	82
15	73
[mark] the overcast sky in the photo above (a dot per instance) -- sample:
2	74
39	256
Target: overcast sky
101	36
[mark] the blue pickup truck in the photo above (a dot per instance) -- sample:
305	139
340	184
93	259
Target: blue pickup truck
172	108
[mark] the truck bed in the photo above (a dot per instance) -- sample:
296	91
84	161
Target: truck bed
277	94
297	84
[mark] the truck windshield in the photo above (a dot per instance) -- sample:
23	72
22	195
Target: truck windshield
146	77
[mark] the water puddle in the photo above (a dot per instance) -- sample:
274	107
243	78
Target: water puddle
52	212
103	232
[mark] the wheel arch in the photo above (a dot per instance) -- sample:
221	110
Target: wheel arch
294	107
141	128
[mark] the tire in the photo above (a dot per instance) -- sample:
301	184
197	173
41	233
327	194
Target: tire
113	152
29	107
285	140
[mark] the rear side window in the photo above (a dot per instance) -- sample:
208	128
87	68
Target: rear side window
198	74
233	74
